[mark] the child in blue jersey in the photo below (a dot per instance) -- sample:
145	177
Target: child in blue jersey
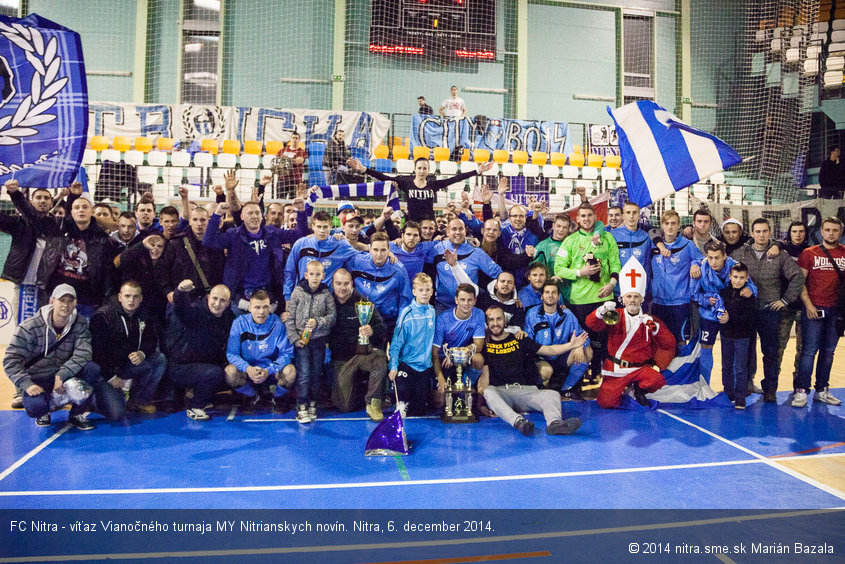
410	351
715	276
551	323
461	326
672	277
259	353
331	253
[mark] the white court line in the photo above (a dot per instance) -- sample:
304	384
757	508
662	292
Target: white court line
34	451
232	413
429	543
356	485
329	419
765	460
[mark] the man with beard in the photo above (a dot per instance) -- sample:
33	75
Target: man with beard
501	292
412	253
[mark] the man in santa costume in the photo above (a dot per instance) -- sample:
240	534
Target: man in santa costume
635	343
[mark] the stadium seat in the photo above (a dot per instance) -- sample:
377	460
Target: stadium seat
831	79
820	27
468	166
203	160
550	171
539	158
316	173
381	152
589	173
481	156
510	169
273	147
249	160
441	154
834	63
558	159
569	171
796	41
594	160
421	152
210	145
157	158
613	161
401	152
530	170
232	147
404	166
134	158
465	154
114	156
838	24
227	160
577	149
164	143
448	167
383	165
493	171
147	174
609	174
520	157
793	55
717	178
89	157
252	147
143	144
267	160
837	36
121	144
811	66
776	45
500	156
575	159
180	159
99	143
760	35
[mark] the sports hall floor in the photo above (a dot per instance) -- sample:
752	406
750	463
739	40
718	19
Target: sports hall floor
753	463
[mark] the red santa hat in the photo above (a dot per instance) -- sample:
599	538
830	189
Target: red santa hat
632	278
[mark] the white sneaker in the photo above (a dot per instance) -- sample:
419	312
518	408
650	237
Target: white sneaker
825	396
799	399
312	410
753	388
302	415
198	414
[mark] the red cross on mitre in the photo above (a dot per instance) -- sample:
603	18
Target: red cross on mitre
633	278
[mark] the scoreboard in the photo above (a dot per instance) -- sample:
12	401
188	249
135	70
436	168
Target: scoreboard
462	29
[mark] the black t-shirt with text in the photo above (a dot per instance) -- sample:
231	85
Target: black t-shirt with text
511	361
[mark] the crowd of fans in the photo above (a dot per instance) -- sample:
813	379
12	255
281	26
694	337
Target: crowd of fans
143	310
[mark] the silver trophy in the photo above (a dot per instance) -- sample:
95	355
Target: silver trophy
364	310
459	394
76	391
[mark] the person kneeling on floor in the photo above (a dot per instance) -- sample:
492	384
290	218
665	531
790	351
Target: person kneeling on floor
634	341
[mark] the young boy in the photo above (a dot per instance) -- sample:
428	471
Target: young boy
312	315
410	350
737	328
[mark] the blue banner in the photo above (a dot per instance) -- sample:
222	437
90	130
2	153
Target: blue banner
507	134
44	105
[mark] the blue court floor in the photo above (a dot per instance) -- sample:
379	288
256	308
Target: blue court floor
672	459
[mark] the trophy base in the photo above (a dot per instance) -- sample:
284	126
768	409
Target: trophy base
455	418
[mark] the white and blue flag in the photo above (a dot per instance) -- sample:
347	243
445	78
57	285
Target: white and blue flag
43	102
661	154
346	191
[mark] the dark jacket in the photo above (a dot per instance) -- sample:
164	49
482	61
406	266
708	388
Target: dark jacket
136	264
777	278
343	340
741	314
194	334
115	334
175	265
23	242
43	225
89	290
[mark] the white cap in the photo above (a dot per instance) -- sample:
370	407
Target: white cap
63	290
732	220
632	278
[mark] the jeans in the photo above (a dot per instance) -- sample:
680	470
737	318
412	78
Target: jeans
735	367
768	328
349	375
791	316
597	339
309	362
111	402
817	336
205	379
39	405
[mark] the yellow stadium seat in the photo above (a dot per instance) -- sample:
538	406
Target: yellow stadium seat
613	161
273	147
558	159
252	147
594	160
575	159
400	152
576	148
465	154
421	152
99	143
394	141
121	144
210	146
539	158
520	157
164	144
232	146
441	154
381	151
500	156
481	155
143	144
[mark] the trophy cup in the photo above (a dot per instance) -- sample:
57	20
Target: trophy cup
459	394
364	310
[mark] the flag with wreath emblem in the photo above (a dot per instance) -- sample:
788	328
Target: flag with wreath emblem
43	102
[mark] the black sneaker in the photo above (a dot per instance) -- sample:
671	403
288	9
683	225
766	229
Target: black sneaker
571	395
44	421
739	403
80	422
770	397
639	395
563	426
283	404
17	401
247	406
524	426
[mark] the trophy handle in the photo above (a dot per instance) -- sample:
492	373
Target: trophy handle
474	349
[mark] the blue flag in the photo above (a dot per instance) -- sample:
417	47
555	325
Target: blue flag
661	154
44	105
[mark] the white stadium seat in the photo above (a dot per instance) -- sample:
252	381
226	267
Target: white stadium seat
833	78
157	158
811	66
134	158
510	169
227	160
834	63
448	167
589	173
609	174
89	157
110	155
404	166
793	55
469	166
249	161
550	171
203	160
530	170
180	159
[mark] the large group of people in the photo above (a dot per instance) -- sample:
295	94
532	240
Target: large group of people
142	310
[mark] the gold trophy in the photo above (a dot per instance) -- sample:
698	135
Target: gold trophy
459	394
364	310
611	317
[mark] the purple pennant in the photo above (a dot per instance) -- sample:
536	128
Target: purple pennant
388	438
